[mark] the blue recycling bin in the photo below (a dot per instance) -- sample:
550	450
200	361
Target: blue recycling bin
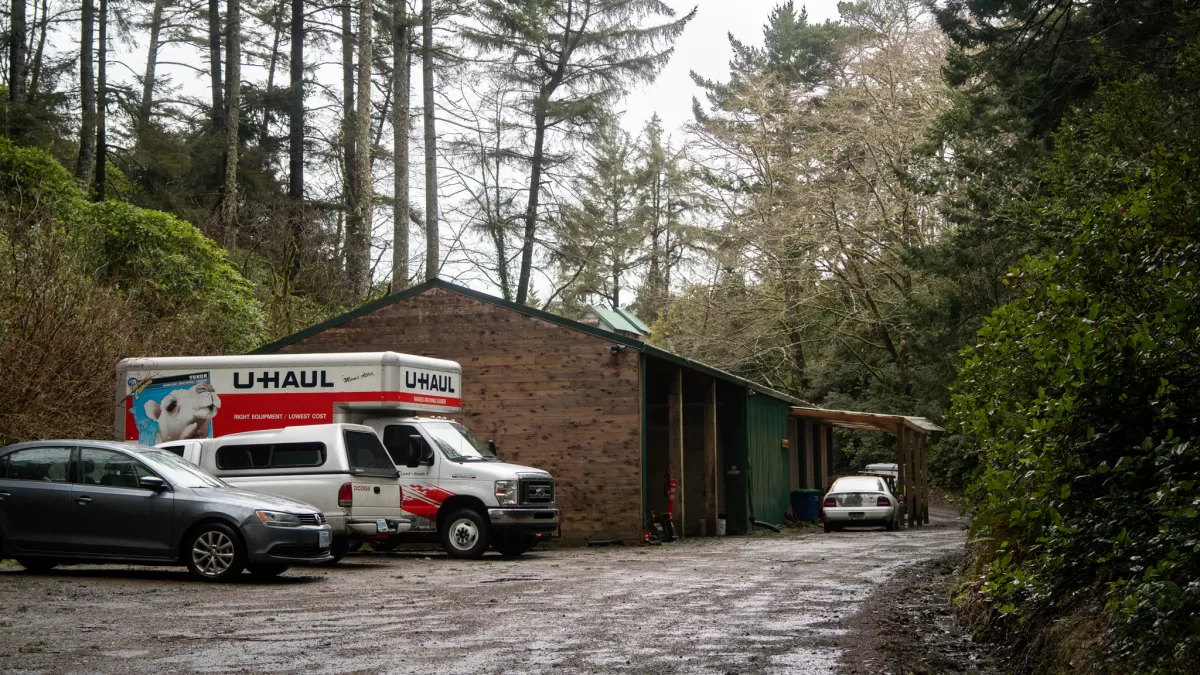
806	505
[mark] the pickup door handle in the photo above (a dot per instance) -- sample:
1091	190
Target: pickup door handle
83	500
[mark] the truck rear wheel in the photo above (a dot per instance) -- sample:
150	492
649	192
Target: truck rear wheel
465	534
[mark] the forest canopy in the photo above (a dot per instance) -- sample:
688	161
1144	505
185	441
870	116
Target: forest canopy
978	211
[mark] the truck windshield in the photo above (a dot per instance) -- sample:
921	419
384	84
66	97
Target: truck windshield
457	441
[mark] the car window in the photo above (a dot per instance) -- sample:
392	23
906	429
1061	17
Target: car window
395	439
367	455
858	484
270	455
234	457
48	464
298	454
110	469
174	449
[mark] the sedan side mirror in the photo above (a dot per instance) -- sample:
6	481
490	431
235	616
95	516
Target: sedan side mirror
416	446
153	483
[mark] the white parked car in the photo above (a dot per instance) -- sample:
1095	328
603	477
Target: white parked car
342	469
860	500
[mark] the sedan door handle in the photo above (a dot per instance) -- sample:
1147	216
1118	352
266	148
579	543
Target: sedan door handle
4	494
83	500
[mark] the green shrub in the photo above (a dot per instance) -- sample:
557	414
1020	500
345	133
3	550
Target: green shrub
83	285
1081	397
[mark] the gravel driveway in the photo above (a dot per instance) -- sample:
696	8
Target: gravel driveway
778	603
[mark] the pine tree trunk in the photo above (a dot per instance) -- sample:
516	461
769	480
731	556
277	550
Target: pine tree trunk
296	137
146	106
16	52
531	209
361	275
432	255
264	133
36	71
214	64
233	78
349	157
102	104
498	233
87	95
296	116
401	63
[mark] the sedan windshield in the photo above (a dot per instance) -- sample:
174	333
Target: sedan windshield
457	442
178	471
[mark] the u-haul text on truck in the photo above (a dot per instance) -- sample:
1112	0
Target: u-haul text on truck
453	484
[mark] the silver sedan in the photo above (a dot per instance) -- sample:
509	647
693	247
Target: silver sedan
859	500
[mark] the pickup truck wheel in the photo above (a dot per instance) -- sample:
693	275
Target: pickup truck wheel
513	546
37	565
214	552
465	534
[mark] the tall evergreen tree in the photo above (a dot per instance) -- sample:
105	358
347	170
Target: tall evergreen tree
87	94
401	79
574	58
432	253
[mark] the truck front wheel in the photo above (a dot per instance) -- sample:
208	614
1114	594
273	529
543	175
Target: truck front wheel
465	534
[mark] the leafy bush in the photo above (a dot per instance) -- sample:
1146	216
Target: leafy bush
1081	396
83	285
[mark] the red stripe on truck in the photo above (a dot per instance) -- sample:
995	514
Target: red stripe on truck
257	412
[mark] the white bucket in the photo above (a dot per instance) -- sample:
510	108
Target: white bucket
720	527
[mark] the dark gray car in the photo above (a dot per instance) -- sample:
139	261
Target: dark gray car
97	501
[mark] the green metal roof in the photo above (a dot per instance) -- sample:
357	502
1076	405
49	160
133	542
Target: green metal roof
633	319
618	320
536	313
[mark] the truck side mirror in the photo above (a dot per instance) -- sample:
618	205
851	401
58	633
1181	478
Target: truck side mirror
492	447
416	447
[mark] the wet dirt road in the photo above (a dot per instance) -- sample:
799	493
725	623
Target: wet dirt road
780	603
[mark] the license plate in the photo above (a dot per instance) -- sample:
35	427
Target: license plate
323	539
857	515
381	525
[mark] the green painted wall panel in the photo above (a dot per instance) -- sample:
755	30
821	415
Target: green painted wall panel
766	429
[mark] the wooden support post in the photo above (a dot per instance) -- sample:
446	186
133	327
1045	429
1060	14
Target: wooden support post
910	476
824	458
794	455
901	470
923	451
710	459
675	444
809	480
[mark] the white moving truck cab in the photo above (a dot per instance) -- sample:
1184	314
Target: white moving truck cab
453	484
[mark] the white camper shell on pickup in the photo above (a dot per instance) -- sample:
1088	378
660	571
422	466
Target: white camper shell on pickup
453	484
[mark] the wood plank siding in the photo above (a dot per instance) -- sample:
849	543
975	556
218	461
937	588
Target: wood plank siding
551	397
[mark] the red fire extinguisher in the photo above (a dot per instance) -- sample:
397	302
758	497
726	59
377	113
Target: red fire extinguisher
670	490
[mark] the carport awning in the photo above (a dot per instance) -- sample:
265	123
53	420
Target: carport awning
865	421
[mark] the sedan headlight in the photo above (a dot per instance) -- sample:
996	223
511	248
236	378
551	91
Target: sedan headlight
277	519
506	492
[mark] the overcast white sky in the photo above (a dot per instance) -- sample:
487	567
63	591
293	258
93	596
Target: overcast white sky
704	48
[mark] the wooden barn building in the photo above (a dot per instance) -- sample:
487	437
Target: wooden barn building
610	416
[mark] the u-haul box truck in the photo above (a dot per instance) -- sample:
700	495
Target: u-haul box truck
453	484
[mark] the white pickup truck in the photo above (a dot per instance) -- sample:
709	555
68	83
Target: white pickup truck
453	484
